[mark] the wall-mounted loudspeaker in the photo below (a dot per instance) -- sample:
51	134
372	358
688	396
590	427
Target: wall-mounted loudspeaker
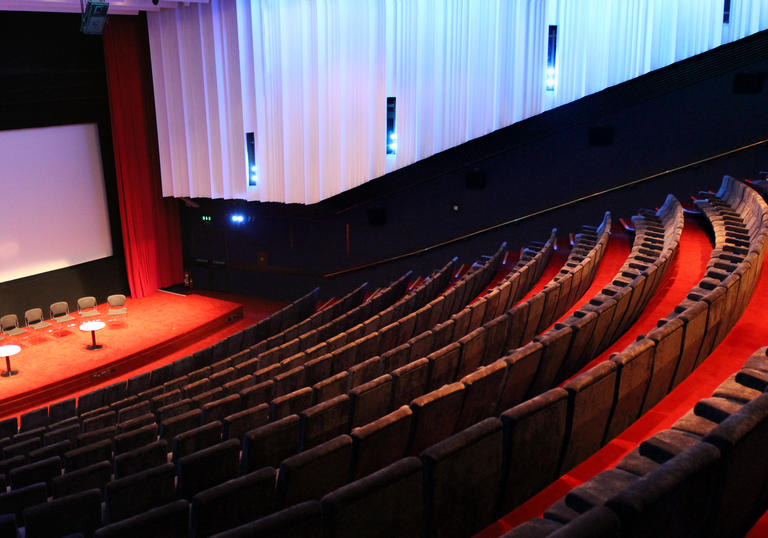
377	216
600	135
94	17
748	83
476	180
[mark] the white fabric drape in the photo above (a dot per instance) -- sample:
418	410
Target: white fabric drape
461	70
310	78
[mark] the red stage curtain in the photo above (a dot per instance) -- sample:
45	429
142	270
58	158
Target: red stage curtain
150	224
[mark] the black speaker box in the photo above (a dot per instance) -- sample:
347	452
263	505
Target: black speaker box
377	216
601	135
94	17
748	83
476	180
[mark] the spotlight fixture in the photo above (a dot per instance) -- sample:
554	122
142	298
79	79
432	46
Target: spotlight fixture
237	218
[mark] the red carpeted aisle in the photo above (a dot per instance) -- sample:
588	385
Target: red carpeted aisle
556	261
748	335
616	252
684	273
54	361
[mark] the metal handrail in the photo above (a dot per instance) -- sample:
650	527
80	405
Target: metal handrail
543	211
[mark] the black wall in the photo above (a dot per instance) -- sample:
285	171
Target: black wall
674	116
51	74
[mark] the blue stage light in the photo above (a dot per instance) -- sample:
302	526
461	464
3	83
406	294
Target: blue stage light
253	169
237	218
391	134
551	58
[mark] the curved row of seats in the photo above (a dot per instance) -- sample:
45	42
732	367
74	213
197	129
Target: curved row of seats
297	313
321	419
131	406
287	316
392	299
289	356
594	407
365	391
313	381
386	345
308	334
276	327
73	443
94	426
568	345
470	485
92	432
367	402
383	332
650	367
341	396
437	403
438	356
704	476
397	377
607	315
91	424
428	360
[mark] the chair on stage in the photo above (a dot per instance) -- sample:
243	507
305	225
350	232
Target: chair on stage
60	311
116	304
9	325
86	306
34	318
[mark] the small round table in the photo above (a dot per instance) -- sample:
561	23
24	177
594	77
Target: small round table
8	352
93	326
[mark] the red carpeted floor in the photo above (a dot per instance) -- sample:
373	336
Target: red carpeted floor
747	336
556	261
616	252
254	310
694	252
55	361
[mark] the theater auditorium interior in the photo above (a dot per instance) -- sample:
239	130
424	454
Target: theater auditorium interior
376	268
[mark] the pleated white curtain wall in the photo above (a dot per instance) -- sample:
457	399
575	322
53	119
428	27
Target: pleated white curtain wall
460	70
310	78
314	93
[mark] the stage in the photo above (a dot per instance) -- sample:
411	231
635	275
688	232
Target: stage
55	361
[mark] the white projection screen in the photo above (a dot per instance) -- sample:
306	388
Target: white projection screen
53	204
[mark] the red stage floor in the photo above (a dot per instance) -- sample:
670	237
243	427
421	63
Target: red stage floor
55	361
